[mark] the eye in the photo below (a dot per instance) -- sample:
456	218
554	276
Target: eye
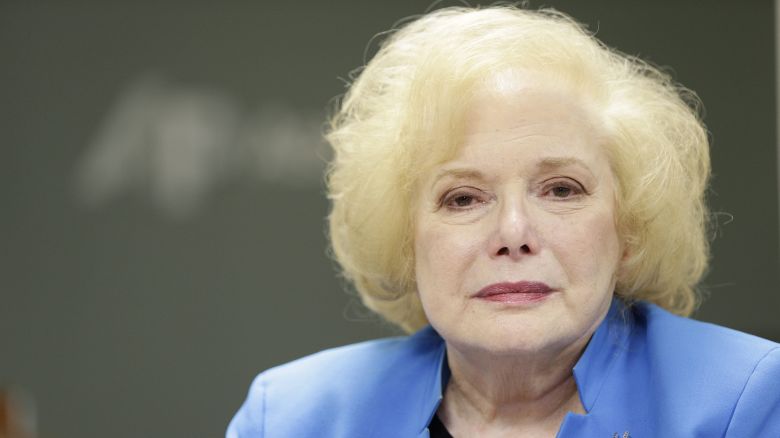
463	198
563	189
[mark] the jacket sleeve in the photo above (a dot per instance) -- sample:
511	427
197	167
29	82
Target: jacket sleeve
249	421
757	412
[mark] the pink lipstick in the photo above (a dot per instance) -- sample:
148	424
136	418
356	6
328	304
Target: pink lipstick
519	292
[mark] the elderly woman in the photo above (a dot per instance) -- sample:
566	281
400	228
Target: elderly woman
530	204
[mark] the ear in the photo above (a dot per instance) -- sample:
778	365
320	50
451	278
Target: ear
624	257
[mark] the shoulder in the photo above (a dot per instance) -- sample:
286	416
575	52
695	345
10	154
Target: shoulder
699	344
720	375
335	390
373	357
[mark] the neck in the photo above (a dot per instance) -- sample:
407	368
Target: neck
518	393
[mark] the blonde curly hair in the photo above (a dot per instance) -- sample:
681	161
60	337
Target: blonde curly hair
402	116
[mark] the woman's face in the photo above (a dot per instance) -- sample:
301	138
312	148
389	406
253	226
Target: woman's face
516	247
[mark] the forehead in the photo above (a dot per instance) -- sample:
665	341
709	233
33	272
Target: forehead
546	121
513	100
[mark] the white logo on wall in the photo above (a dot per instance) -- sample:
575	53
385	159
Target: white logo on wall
177	146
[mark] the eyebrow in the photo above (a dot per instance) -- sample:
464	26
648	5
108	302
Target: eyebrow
555	163
545	164
458	173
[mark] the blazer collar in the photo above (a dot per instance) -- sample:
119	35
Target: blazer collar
609	341
430	380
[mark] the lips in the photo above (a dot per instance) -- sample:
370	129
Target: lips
518	292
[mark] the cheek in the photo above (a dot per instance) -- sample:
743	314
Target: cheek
586	247
444	255
606	252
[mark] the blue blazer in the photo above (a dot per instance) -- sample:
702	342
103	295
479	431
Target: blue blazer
645	373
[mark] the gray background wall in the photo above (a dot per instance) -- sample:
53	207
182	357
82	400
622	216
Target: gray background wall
140	301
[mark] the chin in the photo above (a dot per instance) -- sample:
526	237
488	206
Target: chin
519	338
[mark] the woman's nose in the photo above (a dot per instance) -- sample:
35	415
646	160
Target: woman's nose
514	235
